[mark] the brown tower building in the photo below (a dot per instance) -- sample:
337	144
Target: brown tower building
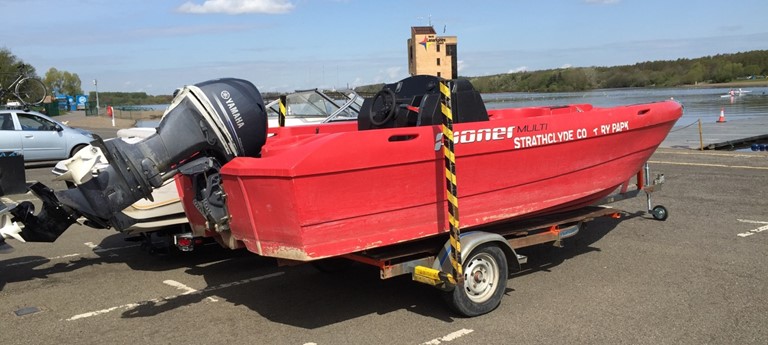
431	54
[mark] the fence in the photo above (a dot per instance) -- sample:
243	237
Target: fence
136	113
126	112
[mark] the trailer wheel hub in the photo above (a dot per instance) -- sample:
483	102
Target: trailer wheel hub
480	277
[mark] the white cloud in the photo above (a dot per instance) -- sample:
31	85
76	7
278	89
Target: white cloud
518	69
394	72
237	6
460	66
566	66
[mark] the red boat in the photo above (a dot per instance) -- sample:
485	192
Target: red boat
374	190
326	190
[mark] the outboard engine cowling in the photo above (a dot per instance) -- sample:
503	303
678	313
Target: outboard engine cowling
220	119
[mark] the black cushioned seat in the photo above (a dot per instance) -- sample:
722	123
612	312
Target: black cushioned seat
423	92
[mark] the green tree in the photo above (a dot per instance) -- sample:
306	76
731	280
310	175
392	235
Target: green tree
752	70
9	64
694	74
727	71
575	79
63	82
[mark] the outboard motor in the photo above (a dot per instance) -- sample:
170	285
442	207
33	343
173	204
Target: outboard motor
207	125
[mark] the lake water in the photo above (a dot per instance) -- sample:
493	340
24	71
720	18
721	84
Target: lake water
699	103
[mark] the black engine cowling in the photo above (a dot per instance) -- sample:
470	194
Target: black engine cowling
220	119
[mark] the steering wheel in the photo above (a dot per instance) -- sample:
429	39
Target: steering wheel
387	109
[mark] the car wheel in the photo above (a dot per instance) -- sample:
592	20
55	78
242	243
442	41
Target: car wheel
75	149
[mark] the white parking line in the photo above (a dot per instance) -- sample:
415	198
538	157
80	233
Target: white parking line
188	290
41	260
753	231
751	221
96	249
169	298
450	337
99	249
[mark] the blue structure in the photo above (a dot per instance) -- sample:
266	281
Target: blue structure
81	100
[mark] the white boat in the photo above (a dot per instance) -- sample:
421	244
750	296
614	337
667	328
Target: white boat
149	215
314	106
736	93
165	210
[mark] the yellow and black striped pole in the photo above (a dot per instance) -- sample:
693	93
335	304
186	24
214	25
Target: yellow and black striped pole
281	116
450	181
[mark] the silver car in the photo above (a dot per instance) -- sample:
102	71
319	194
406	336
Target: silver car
39	137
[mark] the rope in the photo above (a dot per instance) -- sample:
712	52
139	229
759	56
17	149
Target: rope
682	128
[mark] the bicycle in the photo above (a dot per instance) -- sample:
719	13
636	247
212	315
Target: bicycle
28	90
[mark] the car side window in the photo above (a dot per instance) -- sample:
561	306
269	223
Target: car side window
6	122
31	122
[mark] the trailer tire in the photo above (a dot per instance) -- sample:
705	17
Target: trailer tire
660	213
485	281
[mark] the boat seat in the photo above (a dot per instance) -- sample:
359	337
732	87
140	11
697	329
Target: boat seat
422	92
429	110
466	104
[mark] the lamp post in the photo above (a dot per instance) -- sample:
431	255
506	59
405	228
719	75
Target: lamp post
96	84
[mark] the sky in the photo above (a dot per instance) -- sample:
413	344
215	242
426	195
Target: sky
156	46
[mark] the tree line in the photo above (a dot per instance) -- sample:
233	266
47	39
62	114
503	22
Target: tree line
720	68
128	98
709	69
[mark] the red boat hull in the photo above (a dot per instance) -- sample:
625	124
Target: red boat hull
328	190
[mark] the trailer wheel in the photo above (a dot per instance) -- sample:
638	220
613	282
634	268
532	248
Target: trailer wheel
485	280
660	213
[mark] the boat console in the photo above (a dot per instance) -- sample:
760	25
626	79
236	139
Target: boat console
415	101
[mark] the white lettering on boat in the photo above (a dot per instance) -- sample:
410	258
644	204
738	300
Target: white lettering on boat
520	142
549	138
614	127
531	140
484	134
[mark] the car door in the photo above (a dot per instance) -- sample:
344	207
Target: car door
10	138
39	138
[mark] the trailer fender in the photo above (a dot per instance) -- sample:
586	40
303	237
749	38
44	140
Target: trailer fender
470	241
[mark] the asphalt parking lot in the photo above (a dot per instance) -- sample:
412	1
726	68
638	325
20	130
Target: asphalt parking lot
701	277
